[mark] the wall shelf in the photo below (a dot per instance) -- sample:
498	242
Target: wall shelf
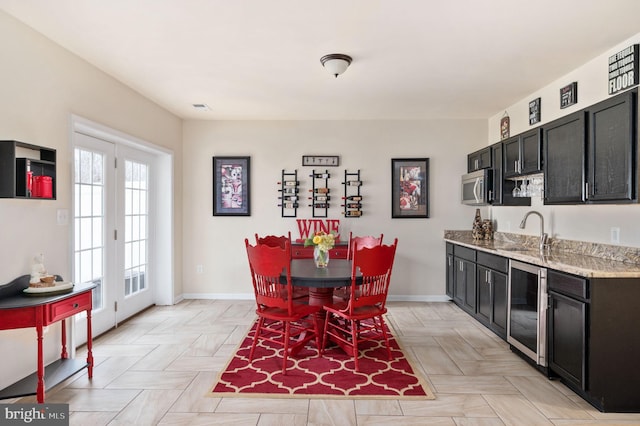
18	160
289	197
352	206
320	193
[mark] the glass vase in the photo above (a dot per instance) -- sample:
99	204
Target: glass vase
320	257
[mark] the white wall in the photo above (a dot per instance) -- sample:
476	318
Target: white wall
41	86
584	222
217	242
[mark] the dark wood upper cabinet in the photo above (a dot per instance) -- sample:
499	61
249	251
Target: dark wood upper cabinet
478	160
531	146
590	156
611	161
564	160
523	154
502	192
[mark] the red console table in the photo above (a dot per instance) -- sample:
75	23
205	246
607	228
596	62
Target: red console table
22	311
299	251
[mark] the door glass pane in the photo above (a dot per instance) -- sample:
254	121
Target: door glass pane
89	220
136	219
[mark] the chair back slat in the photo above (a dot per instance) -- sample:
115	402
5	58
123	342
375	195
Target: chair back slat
375	265
269	266
360	242
274	240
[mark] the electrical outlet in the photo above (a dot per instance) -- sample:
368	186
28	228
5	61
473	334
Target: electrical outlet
199	269
615	235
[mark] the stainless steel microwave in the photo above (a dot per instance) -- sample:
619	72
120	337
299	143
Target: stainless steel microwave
476	187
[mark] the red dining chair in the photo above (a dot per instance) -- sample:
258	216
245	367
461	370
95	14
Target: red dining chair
280	241
356	242
274	240
360	318
364	241
281	321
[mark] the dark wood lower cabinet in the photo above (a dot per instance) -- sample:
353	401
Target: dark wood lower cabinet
464	291
493	287
450	267
593	324
567	338
478	283
594	338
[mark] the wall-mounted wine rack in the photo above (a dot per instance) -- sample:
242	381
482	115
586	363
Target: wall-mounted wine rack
289	197
352	198
320	193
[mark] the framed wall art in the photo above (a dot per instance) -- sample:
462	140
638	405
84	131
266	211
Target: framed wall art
534	111
231	192
409	188
505	126
321	160
569	95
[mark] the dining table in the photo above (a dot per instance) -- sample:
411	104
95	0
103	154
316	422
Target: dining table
321	282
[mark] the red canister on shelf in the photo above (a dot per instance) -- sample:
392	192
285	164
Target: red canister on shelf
42	187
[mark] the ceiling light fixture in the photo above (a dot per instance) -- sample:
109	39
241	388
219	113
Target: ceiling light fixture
336	63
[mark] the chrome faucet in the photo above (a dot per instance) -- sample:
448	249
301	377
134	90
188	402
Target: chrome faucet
543	235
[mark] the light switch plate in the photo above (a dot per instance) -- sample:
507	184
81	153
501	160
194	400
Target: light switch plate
62	216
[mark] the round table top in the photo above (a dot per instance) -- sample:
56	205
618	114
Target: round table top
305	274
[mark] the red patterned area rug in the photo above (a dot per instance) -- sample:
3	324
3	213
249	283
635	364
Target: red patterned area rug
329	376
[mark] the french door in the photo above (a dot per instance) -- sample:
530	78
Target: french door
111	229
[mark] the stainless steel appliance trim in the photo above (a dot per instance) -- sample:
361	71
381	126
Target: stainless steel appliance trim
541	339
479	179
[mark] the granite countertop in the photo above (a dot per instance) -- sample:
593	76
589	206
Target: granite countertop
579	258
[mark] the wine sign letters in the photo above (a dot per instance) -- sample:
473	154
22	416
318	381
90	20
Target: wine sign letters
623	69
308	227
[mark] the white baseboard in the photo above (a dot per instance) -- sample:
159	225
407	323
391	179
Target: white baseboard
220	296
250	296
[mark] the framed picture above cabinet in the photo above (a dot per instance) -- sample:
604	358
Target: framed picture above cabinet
569	95
534	111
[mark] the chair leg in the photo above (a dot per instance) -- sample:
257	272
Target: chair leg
316	329
256	336
326	333
385	335
285	353
354	342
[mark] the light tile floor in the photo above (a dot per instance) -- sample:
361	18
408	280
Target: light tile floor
157	368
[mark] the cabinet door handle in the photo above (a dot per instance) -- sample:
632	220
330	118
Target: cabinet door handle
75	305
515	166
461	266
